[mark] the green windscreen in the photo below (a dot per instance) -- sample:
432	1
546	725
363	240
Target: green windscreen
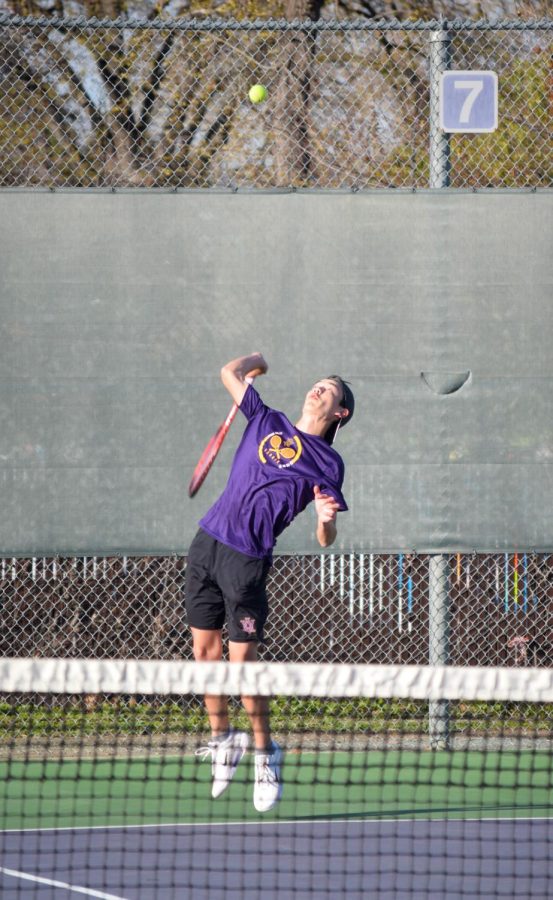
118	310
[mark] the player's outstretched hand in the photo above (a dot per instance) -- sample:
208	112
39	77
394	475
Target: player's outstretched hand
326	505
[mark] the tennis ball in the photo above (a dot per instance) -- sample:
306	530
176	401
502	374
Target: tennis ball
257	93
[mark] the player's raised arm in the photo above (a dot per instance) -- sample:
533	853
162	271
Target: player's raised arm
234	374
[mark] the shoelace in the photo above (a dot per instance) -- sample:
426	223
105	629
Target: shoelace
264	773
212	750
204	752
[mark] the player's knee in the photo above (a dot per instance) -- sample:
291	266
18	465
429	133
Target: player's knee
243	652
207	648
206	654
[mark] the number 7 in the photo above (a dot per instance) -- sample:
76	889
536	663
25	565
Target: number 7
474	88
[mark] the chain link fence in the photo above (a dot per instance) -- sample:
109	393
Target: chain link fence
125	104
350	608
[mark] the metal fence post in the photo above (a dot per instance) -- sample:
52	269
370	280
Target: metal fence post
438	649
438	626
439	162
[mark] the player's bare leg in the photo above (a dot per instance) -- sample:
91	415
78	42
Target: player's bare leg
208	647
226	747
257	708
268	755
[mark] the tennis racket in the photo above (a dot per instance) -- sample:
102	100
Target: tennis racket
214	444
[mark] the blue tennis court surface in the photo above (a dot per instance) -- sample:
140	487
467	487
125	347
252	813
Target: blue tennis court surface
301	859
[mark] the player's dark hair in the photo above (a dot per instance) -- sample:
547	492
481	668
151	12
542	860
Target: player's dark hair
347	402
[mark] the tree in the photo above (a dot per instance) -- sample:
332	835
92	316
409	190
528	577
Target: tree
294	154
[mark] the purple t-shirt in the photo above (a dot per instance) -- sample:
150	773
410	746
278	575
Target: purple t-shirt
273	474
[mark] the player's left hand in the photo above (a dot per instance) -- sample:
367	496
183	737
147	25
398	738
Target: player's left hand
326	505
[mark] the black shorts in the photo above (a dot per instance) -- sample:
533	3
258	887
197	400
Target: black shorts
225	585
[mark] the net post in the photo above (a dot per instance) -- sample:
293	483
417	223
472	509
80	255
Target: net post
438	646
439	150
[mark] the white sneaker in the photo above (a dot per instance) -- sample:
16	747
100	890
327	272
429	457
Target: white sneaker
225	756
268	783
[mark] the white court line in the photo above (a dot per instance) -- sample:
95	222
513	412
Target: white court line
267	823
61	884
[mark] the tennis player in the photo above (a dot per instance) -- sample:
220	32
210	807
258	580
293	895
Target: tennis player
277	470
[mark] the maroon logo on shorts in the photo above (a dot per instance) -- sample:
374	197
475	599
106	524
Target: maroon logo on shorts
248	625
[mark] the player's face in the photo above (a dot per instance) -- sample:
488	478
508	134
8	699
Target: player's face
324	399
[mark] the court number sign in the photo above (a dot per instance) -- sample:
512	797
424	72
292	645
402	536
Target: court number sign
468	101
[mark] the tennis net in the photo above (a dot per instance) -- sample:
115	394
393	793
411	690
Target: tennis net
398	782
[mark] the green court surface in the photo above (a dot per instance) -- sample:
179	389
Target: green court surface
326	785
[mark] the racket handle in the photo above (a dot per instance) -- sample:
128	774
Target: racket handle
208	456
230	418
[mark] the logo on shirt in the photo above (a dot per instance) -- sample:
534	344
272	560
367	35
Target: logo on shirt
283	452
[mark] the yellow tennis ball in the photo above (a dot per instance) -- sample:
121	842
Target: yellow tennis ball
257	93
